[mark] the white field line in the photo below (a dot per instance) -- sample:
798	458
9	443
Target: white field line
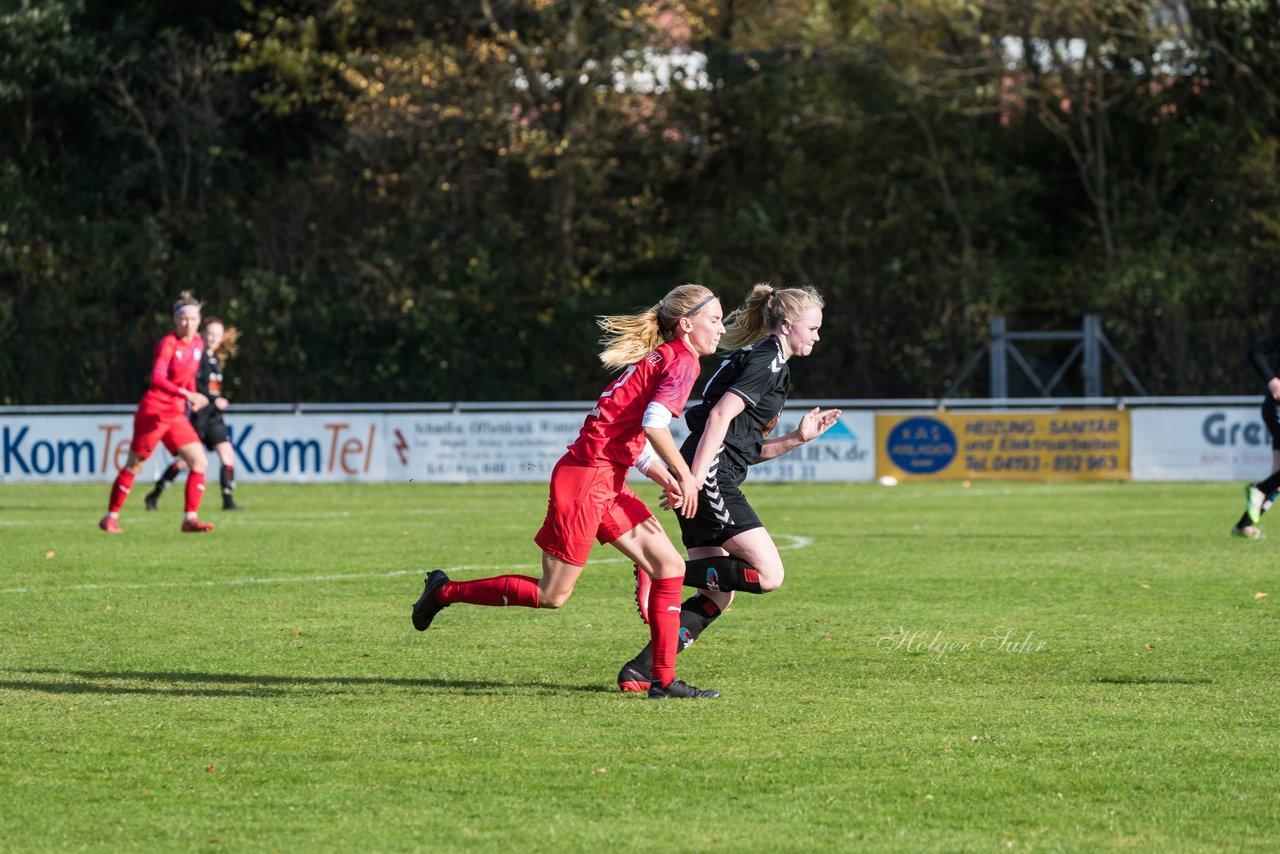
796	542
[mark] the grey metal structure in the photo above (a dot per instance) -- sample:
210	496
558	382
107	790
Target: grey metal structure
1091	341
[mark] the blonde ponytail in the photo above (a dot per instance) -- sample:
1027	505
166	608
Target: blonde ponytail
765	309
629	338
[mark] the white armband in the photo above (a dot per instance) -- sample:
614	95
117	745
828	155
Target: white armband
646	458
656	415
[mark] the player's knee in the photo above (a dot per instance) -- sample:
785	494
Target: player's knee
553	599
770	579
673	567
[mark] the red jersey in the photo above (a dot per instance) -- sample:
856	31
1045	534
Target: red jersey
613	431
173	369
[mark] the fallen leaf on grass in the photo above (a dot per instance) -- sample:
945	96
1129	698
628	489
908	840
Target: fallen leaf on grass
1259	595
209	769
49	554
1146	586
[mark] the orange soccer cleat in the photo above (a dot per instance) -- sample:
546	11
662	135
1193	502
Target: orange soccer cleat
195	526
110	525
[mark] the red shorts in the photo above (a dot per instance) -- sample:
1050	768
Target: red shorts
150	429
588	502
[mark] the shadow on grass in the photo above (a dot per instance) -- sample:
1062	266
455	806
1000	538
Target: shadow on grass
185	683
1153	680
985	536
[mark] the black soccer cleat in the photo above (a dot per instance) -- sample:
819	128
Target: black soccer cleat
229	506
426	608
631	680
677	688
150	499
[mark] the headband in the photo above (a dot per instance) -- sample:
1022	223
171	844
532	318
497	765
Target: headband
192	306
691	312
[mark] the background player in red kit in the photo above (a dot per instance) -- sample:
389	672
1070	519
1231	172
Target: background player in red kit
658	350
219	347
162	416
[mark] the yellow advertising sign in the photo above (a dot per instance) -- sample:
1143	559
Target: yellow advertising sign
1077	445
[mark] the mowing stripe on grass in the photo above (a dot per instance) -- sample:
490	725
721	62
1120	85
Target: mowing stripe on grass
796	542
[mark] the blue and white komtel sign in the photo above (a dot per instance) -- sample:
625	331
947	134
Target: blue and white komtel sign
921	445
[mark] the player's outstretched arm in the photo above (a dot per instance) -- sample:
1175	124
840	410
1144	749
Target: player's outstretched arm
814	423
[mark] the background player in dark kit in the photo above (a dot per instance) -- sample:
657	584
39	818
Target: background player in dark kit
1258	497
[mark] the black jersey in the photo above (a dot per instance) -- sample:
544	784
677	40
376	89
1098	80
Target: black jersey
209	377
1258	355
760	376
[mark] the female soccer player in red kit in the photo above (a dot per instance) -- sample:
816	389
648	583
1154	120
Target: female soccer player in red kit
162	416
658	351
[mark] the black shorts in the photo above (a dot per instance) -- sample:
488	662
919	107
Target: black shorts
1272	420
723	513
210	427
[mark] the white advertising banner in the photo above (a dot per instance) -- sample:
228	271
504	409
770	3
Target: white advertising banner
428	447
468	447
301	448
1201	443
845	453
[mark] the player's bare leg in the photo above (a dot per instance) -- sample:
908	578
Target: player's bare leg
754	548
647	546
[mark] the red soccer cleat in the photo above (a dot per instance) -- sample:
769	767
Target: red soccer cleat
110	525
195	526
631	680
643	583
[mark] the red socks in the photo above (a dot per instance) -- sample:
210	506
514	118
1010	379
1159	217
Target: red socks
195	490
501	590
120	490
664	626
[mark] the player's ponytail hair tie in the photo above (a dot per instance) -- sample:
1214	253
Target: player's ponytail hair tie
765	309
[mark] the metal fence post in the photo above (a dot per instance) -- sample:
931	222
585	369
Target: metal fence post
999	358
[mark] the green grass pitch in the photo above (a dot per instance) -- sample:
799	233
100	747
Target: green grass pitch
1000	667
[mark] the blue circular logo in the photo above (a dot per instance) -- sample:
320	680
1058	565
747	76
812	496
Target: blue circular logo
921	445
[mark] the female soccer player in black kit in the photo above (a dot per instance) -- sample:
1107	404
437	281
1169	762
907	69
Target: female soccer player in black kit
220	345
1259	496
729	548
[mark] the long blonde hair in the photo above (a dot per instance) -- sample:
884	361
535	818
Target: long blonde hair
765	309
629	338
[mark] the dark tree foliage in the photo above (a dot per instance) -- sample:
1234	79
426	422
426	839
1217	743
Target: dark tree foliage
403	201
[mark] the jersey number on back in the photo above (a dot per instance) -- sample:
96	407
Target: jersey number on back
617	384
